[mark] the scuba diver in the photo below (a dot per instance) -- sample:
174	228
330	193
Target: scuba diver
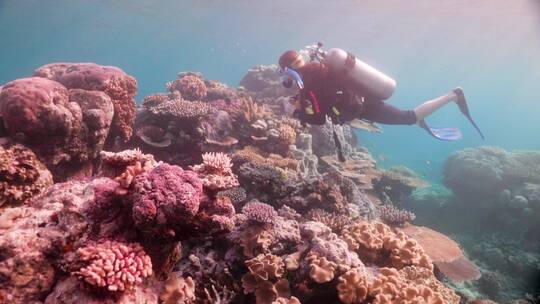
337	85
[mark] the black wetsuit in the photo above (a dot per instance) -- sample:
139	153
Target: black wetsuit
328	94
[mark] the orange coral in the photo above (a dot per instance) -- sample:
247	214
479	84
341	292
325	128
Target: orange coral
353	286
265	279
320	269
376	241
178	290
391	287
215	171
287	135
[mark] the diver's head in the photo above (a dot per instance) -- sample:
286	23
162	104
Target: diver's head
289	62
291	59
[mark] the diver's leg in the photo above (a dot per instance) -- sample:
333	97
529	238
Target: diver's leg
381	112
427	108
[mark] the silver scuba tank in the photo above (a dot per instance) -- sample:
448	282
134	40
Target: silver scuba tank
369	79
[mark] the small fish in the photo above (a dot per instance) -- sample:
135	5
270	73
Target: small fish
428	162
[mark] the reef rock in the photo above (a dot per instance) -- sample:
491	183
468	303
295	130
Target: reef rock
264	81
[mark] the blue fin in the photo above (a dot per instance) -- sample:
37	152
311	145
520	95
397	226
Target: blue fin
446	134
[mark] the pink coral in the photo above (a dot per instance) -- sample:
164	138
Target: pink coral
215	171
166	194
64	128
114	265
259	212
114	82
190	86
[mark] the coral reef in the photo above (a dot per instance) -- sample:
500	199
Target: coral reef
156	218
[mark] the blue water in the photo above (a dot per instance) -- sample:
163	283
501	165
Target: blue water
489	47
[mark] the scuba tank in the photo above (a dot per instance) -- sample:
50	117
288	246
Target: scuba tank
369	79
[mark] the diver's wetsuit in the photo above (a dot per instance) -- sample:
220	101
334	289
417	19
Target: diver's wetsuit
327	93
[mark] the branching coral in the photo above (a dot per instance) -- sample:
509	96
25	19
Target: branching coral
395	216
178	290
154	100
190	86
114	266
259	212
334	221
215	171
22	175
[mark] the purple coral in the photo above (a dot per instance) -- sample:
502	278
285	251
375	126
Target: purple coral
114	265
259	212
166	194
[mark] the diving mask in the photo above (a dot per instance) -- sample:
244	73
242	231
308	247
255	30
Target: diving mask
288	75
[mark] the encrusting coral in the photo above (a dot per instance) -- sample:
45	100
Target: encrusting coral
114	266
22	175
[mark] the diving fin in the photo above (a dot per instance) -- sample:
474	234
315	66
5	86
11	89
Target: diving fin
462	104
446	134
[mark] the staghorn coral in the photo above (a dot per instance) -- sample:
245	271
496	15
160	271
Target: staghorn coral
178	290
215	171
114	266
259	212
22	175
394	216
320	269
353	286
190	87
377	243
119	86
